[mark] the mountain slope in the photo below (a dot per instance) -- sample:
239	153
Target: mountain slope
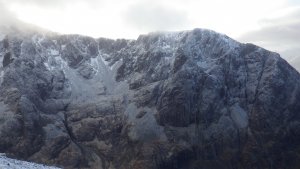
193	99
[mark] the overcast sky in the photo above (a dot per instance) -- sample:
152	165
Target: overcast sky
273	24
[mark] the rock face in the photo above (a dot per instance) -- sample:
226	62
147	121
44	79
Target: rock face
182	100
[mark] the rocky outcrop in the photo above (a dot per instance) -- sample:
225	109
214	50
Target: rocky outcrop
182	100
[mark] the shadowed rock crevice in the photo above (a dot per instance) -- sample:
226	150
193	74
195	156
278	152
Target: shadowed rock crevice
83	163
7	59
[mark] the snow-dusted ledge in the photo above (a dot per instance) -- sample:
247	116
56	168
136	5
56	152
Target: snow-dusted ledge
8	163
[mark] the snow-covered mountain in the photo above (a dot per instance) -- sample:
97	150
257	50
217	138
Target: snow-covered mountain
169	100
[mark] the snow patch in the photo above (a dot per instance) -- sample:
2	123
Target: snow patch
47	66
166	47
53	52
8	163
230	42
103	60
117	64
62	63
95	64
56	62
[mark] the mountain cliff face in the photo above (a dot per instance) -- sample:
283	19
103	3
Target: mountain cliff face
182	100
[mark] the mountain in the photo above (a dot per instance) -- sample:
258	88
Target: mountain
168	100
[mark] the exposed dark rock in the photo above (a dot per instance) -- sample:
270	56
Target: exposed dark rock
185	100
7	59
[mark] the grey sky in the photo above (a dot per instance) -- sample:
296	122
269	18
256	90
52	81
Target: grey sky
152	17
45	3
6	17
280	34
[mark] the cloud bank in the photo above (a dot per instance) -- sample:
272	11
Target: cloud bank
281	35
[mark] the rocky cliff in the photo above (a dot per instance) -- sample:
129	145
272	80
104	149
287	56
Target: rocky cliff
172	100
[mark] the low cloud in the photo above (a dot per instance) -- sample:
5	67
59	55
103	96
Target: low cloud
277	30
39	3
280	35
54	4
6	16
9	22
149	16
